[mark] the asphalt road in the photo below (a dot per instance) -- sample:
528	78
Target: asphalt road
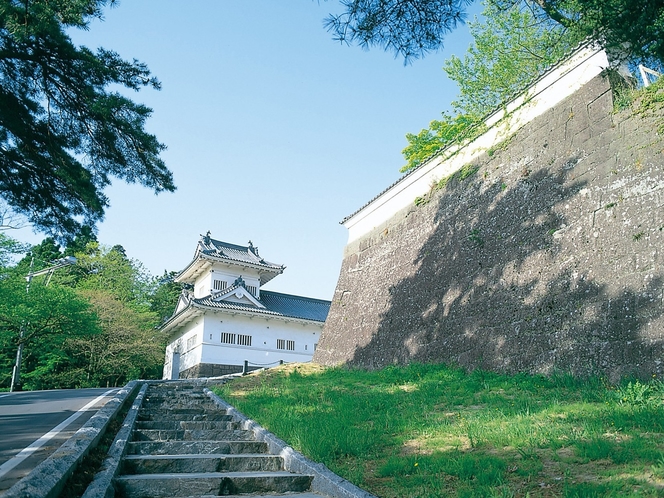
25	417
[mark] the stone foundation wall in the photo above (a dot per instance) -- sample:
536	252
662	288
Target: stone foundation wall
211	370
549	257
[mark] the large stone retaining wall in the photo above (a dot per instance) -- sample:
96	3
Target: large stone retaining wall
548	258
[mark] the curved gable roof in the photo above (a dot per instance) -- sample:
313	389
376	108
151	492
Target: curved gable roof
232	252
275	304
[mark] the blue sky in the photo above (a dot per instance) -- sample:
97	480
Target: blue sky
275	132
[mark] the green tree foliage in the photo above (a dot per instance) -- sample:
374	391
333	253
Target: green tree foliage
165	297
633	28
128	347
511	47
9	248
93	325
408	28
81	243
63	134
48	317
440	134
411	28
43	253
110	270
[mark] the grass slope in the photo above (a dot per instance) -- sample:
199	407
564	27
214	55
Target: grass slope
433	430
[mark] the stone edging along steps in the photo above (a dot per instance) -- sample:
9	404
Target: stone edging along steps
179	439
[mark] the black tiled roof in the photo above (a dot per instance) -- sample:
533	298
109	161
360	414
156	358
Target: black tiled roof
277	304
242	254
289	305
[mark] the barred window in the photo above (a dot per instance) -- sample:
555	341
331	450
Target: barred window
191	342
252	290
219	285
227	338
281	344
244	340
290	345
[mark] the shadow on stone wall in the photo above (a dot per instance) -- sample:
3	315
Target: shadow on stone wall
513	279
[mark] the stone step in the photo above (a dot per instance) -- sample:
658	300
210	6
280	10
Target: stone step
176	389
303	494
195	447
207	408
175	392
191	415
177	399
194	398
155	407
210	483
154	464
192	435
174	395
175	425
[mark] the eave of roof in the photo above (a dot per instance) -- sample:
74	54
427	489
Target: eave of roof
278	299
180	318
204	261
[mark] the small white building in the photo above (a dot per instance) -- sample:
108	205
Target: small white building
226	319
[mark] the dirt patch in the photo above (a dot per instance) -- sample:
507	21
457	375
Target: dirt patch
301	368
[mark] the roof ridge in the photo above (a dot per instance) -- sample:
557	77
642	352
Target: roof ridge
229	244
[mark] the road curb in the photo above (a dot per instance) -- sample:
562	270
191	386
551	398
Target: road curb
49	477
102	484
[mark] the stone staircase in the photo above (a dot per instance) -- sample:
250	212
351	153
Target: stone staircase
184	446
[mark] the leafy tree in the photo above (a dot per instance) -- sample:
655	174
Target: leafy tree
511	47
41	320
440	134
411	28
128	347
110	270
47	251
165	297
93	325
63	133
627	28
10	247
81	241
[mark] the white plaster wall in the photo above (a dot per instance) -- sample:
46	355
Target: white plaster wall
188	357
264	332
562	81
204	287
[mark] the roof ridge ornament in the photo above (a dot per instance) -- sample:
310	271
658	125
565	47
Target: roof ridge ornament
240	282
206	238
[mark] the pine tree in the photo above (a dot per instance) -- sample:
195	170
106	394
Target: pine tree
63	134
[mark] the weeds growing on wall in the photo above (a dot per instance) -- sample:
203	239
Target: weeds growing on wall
433	430
644	101
459	175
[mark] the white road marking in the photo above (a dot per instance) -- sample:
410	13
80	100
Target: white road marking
5	395
29	450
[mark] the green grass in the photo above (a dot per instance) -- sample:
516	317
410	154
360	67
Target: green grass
433	430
